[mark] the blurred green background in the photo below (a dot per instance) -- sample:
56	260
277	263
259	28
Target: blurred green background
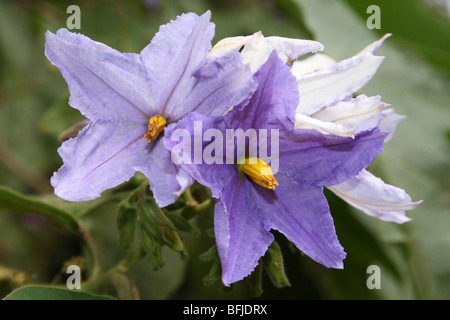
37	239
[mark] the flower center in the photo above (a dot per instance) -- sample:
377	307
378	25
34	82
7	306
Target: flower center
155	127
260	172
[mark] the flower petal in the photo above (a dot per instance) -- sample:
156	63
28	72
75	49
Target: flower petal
389	122
240	235
104	84
173	56
101	157
376	198
301	213
312	63
221	84
257	51
344	118
337	82
106	154
167	180
229	45
306	122
324	160
289	49
214	176
246	212
332	83
274	102
361	113
258	48
374	46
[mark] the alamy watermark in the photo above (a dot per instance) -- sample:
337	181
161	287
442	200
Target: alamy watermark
374	280
233	147
74	280
374	21
74	20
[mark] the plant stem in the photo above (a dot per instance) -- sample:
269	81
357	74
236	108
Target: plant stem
95	284
92	252
129	261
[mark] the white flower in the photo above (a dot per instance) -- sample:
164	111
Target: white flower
327	104
375	198
258	48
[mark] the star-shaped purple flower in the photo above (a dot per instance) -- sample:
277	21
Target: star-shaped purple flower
130	98
290	201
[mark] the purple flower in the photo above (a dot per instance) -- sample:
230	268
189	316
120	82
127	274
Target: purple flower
290	199
328	105
130	98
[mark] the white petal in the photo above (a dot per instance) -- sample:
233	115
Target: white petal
306	122
362	113
184	180
374	46
258	48
256	52
389	122
375	198
229	45
336	82
310	64
327	85
344	118
290	49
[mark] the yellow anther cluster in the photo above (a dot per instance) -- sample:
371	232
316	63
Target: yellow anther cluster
260	172
155	127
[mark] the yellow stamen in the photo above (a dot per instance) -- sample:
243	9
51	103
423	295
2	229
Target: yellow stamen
260	172
155	127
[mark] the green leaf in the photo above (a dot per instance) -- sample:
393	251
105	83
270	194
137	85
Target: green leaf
214	274
14	201
126	223
157	224
148	221
209	255
50	293
152	248
182	224
151	284
274	266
